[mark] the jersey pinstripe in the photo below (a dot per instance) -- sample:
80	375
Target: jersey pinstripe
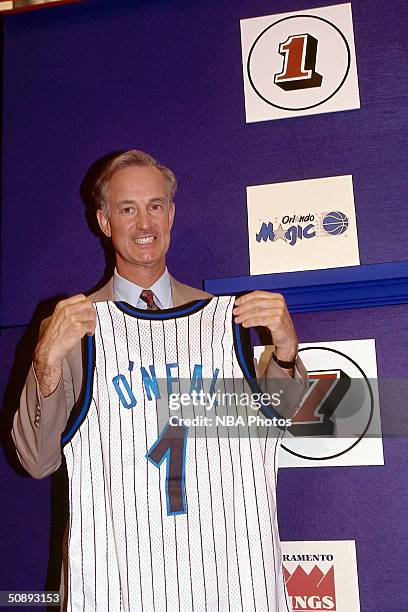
162	518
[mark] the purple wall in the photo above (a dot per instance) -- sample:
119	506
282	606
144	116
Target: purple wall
165	76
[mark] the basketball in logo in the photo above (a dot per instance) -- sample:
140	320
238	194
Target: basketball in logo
335	223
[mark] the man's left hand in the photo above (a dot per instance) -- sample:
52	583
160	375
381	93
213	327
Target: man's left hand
269	310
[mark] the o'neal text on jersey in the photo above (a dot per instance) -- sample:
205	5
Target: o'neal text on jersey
151	387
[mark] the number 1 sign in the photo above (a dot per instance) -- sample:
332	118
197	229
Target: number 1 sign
299	63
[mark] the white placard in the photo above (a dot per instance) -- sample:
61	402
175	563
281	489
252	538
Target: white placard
302	225
300	63
321	575
339	422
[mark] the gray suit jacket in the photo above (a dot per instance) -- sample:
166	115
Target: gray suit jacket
39	422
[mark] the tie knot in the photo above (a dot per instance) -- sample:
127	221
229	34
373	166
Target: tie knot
147	296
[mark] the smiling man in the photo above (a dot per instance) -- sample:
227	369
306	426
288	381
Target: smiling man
138	219
134	197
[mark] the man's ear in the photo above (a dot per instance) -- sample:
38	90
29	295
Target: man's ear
172	212
104	223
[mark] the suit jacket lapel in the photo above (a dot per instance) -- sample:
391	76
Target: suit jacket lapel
184	294
105	293
177	292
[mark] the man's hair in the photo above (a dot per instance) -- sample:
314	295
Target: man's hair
138	159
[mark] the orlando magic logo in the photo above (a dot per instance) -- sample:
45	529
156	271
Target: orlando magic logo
304	227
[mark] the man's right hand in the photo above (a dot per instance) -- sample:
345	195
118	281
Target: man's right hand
70	321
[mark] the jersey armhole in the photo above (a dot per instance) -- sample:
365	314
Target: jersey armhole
244	352
81	407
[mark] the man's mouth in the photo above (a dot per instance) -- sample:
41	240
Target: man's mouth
144	240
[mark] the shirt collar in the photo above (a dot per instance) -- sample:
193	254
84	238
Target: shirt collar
127	291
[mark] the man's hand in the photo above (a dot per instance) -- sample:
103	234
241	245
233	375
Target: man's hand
70	321
269	310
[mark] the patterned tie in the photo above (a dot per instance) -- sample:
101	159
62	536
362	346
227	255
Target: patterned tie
147	296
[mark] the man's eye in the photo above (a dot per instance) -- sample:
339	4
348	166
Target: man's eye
156	206
127	210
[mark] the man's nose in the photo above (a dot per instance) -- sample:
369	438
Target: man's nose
142	219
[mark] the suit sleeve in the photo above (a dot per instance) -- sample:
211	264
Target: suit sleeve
275	379
39	423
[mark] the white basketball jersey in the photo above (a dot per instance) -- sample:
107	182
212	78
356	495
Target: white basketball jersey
167	516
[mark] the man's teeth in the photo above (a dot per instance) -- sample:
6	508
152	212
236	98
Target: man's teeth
145	240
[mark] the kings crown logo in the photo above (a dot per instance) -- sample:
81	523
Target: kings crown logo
310	592
304	227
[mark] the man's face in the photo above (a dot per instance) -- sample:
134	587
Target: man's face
140	218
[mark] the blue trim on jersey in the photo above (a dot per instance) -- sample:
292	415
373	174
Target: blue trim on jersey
90	349
167	456
168	313
266	408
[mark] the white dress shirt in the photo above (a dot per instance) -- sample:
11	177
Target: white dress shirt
127	291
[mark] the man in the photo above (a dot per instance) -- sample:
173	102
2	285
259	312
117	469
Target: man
134	196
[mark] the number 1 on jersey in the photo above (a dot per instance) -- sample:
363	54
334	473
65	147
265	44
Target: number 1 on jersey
171	446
